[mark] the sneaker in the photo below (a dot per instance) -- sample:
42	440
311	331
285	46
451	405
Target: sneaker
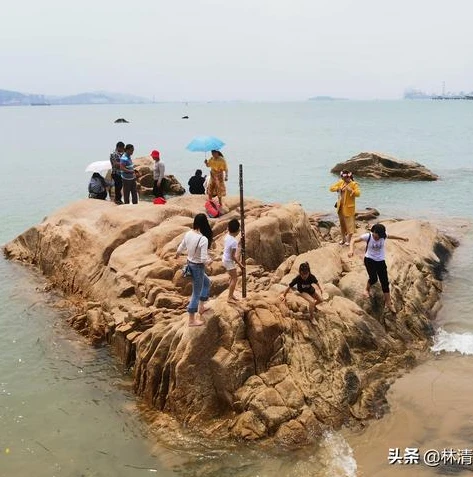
118	202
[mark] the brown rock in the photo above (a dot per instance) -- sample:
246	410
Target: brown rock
381	166
259	368
367	214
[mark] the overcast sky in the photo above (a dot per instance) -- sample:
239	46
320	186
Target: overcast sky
237	49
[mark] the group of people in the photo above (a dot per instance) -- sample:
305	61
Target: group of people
214	184
124	174
124	177
374	259
198	241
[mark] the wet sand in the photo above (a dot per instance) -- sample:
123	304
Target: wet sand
431	408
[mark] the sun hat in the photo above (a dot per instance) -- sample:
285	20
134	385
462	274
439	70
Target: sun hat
154	154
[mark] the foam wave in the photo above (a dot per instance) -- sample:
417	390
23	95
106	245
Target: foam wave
453	342
340	455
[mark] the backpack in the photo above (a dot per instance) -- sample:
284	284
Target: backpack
213	210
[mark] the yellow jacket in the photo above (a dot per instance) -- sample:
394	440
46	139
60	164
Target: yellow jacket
217	165
346	199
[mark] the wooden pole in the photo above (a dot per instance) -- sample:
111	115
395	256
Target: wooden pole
242	231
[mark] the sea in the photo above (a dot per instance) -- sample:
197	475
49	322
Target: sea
67	409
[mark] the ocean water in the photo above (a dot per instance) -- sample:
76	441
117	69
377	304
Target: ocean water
66	409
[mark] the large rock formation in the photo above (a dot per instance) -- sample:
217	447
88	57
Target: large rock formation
259	369
382	166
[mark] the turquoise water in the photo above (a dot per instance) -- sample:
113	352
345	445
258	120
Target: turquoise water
64	407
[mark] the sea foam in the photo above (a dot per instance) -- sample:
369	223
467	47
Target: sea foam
339	454
452	342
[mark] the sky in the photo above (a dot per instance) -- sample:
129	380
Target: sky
258	50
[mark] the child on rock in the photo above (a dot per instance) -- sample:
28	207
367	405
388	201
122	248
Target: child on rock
229	257
304	282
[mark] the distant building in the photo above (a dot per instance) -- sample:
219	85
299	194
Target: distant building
412	93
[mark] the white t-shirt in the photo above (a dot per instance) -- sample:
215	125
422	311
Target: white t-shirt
196	245
375	249
158	171
230	243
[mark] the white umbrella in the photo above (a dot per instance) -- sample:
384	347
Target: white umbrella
99	166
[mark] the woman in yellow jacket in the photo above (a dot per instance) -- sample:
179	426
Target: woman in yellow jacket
347	190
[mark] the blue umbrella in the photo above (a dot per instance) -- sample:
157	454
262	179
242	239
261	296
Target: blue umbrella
205	144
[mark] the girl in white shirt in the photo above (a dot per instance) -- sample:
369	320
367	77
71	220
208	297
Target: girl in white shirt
374	260
197	242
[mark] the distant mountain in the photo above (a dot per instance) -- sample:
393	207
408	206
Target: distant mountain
14	98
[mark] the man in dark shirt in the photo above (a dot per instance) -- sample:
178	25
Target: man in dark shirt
116	176
196	183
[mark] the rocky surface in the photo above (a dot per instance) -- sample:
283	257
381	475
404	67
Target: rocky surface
259	369
382	166
145	166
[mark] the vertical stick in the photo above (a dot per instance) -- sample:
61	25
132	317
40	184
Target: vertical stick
242	229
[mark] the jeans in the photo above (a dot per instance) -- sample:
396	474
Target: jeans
200	286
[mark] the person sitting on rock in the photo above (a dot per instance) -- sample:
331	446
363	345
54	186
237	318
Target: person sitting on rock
374	260
304	282
196	183
98	186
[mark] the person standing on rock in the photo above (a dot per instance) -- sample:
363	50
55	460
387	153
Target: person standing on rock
347	190
115	157
197	243
375	260
229	257
158	175
218	176
128	175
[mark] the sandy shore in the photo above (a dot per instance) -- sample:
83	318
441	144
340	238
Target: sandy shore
431	408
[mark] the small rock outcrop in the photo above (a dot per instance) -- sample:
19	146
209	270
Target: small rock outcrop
382	166
144	166
121	120
258	369
368	213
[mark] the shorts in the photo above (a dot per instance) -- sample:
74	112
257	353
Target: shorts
229	264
